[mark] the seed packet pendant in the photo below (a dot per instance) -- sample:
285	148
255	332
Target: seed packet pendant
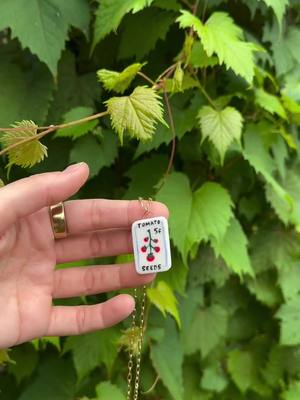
151	245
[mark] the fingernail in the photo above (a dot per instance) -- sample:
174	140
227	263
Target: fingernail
73	167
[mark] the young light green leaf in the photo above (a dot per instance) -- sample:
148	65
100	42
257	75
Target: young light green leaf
270	103
44	24
221	127
164	299
138	113
118	81
200	59
292	392
1	183
242	368
214	379
27	154
110	13
221	36
79	130
233	249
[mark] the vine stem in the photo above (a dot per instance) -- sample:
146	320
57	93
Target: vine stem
146	77
47	130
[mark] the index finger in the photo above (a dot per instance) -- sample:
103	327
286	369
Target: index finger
98	214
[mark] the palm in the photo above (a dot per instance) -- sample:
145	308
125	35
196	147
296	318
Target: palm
27	278
29	253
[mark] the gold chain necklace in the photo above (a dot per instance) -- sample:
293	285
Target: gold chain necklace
135	347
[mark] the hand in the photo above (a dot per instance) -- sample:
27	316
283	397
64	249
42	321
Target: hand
29	253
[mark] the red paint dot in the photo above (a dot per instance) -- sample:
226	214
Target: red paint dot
157	249
144	248
155	240
146	239
150	257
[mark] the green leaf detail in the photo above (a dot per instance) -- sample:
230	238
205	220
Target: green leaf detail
110	13
208	201
213	320
242	368
27	154
290	322
45	24
118	81
108	391
220	36
97	154
138	113
167	359
293	391
92	350
221	127
142	31
175	185
164	299
279	7
233	249
76	131
214	379
269	103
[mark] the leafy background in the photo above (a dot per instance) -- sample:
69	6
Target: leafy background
224	323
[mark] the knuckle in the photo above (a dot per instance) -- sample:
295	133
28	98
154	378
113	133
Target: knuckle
98	244
96	214
89	280
81	318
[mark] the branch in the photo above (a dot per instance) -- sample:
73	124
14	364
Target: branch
47	130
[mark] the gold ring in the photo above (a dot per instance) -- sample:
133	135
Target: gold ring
58	220
146	206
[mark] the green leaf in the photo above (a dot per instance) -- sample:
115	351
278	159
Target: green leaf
79	130
141	32
289	322
5	357
221	36
293	392
26	97
96	154
164	299
270	103
167	359
265	289
208	201
279	7
138	113
233	249
51	369
110	13
242	368
286	212
177	184
200	59
212	319
221	127
118	81
23	355
258	156
108	391
214	379
27	154
184	121
42	25
92	350
153	168
289	281
176	277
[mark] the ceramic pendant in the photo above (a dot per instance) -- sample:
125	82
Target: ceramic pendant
151	245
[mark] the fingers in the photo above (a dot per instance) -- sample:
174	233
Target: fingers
96	214
67	320
28	195
83	281
110	242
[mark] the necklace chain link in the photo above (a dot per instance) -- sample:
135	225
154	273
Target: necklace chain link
134	361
